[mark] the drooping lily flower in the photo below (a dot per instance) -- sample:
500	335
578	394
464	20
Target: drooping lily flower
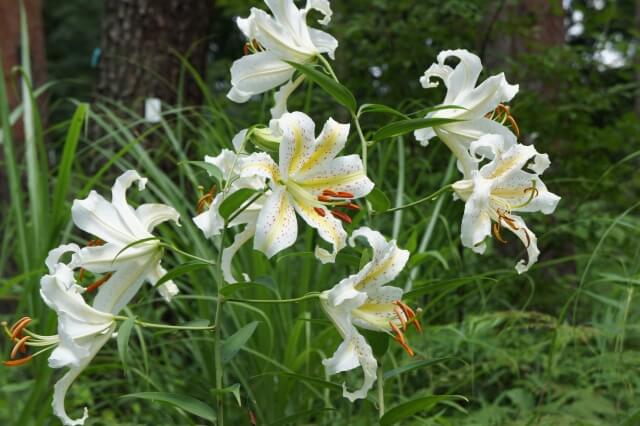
363	300
272	40
498	189
475	106
82	330
118	225
211	222
311	181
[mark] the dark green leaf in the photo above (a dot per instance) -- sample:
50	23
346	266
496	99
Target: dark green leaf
332	87
233	389
403	127
230	289
124	332
184	402
212	170
418	258
298	418
235	201
379	200
233	344
379	342
366	108
408	409
183	269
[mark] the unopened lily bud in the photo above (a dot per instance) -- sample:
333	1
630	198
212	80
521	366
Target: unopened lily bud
265	139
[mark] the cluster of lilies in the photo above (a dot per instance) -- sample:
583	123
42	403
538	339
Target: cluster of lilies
308	181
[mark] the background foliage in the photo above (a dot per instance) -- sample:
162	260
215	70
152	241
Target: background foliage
559	345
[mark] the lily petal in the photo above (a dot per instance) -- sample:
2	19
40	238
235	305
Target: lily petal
229	252
476	221
123	285
259	164
529	240
257	73
324	42
151	215
344	173
329	228
277	227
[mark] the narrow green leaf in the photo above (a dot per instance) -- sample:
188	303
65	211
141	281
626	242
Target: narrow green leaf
230	289
66	163
183	269
184	402
212	170
233	344
419	258
403	127
124	333
413	366
235	201
329	85
379	108
233	389
379	201
408	409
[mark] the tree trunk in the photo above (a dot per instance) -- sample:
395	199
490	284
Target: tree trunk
139	41
637	58
11	49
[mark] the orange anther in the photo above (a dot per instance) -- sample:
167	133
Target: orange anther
352	206
343	194
19	346
341	215
323	198
516	129
17	362
320	211
330	193
526	234
98	283
496	232
16	329
402	317
245	49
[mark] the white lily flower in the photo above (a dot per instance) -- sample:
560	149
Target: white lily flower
211	222
284	36
501	187
309	180
475	103
118	225
363	300
82	330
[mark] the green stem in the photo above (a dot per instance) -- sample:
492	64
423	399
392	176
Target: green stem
216	325
327	66
380	379
166	326
363	142
422	200
307	296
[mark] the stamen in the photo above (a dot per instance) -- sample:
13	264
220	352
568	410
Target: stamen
513	123
16	329
98	283
17	362
343	194
352	206
245	49
410	314
324	198
402	317
399	337
497	234
19	346
206	198
341	215
526	234
320	211
329	193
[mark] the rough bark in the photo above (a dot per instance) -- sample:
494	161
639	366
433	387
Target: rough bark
10	47
637	58
139	38
10	51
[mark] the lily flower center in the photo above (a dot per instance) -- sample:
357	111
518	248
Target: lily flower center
502	114
328	201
